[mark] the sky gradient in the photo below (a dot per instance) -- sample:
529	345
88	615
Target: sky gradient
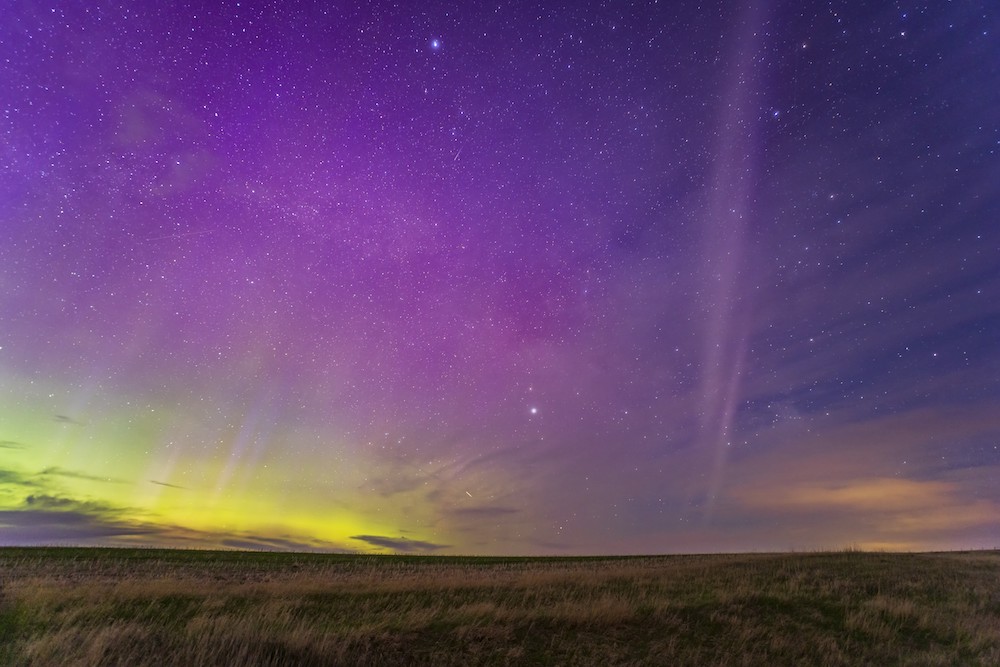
508	278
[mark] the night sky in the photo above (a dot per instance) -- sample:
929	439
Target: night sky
500	278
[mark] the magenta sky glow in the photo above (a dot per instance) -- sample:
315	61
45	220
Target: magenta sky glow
507	278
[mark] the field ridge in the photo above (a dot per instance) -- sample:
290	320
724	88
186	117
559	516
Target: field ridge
86	606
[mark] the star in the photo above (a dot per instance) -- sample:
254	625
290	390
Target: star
384	262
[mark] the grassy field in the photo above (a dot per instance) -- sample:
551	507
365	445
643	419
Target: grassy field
157	607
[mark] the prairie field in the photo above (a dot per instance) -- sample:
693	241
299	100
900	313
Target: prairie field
71	606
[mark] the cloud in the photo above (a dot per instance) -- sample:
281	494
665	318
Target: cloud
399	543
15	478
172	486
892	510
10	444
858	495
264	543
913	479
62	472
43	519
33	527
63	419
48	503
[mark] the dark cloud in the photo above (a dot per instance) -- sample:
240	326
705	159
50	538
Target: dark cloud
48	519
264	543
172	486
249	545
49	503
73	474
52	520
10	444
63	419
14	477
399	543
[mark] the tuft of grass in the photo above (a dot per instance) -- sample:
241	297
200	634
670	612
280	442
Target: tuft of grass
161	607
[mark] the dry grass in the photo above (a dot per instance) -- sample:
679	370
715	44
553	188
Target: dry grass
117	607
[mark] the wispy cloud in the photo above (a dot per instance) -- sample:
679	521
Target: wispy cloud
167	484
14	478
10	444
264	543
867	495
49	503
55	471
399	543
838	479
43	519
64	419
869	509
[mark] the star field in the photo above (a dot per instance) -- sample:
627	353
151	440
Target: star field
518	278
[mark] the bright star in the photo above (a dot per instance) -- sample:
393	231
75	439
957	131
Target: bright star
435	44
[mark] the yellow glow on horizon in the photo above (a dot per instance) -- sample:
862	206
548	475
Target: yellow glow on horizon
173	468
